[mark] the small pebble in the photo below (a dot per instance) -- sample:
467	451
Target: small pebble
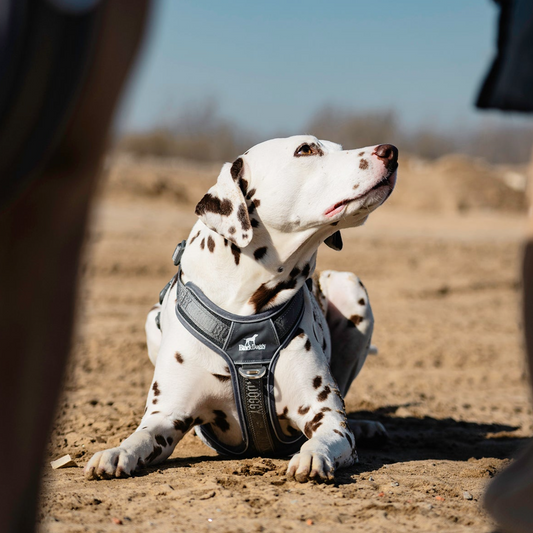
395	484
309	522
381	494
209	519
439	498
116	521
467	495
370	478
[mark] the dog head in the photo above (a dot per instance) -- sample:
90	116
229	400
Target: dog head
299	185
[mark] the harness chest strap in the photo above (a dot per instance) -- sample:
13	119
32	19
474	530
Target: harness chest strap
251	363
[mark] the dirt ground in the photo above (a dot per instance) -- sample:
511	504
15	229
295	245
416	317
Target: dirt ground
441	263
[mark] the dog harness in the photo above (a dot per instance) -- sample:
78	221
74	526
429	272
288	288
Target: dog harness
250	345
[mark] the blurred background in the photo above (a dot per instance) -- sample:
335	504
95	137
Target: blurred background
216	78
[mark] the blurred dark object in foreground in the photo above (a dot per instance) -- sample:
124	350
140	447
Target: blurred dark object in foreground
63	64
509	87
509	83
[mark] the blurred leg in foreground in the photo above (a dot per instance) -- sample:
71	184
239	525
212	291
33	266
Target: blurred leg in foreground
509	87
509	498
63	64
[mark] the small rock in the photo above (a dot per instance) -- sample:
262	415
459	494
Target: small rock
309	522
467	495
207	495
439	498
63	462
116	521
395	484
370	478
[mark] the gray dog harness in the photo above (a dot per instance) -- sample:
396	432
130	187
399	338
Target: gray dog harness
251	346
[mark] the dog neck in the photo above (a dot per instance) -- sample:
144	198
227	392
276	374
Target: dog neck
268	272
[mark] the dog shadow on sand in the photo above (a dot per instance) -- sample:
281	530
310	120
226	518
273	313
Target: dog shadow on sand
427	438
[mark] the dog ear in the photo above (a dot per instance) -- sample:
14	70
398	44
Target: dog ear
335	241
223	209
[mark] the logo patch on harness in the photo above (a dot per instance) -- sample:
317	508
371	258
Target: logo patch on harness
249	344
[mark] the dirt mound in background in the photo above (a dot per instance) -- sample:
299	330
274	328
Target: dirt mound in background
455	183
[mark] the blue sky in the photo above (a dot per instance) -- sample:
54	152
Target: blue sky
271	65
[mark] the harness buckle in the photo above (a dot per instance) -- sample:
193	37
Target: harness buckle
252	372
178	252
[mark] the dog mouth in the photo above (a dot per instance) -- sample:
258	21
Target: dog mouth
387	181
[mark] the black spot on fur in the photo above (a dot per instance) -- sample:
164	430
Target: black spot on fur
250	194
354	320
305	271
183	425
243	185
211	244
254	223
313	425
154	455
197	421
317	381
338	432
264	295
257	202
303	410
260	252
361	154
308	345
242	215
160	440
202	244
212	204
325	409
231	230
170	440
236	251
154	401
222	378
154	413
251	208
361	301
195	237
179	358
324	344
363	164
236	168
155	388
324	394
294	272
226	241
220	420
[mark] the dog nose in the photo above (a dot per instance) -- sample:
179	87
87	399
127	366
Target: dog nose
388	154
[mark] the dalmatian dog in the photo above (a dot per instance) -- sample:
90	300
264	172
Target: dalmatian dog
254	246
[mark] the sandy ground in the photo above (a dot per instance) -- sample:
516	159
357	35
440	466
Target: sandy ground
449	381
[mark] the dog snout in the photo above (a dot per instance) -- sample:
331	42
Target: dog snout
388	154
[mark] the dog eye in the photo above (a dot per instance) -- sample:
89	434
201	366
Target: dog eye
304	149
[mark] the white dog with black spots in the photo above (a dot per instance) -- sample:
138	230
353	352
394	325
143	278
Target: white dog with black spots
253	247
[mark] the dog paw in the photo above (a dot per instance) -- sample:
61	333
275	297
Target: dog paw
310	466
115	462
368	432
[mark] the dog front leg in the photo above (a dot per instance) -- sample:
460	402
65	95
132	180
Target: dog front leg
153	442
331	443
